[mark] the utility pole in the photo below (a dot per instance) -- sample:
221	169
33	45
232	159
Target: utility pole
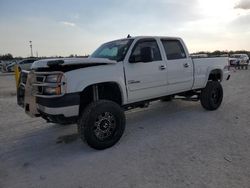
31	51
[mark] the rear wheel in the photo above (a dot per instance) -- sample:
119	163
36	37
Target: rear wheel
102	124
212	95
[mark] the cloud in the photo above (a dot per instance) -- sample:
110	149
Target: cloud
243	4
240	24
70	24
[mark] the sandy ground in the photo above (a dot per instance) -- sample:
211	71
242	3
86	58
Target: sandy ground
175	144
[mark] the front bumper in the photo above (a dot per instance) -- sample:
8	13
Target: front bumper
35	104
67	111
66	105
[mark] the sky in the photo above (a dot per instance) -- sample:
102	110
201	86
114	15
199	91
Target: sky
64	27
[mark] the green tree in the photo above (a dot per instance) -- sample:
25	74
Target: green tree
6	57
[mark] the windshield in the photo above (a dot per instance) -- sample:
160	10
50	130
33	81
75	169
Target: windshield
115	50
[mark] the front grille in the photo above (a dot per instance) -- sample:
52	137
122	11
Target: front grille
40	90
39	84
40	78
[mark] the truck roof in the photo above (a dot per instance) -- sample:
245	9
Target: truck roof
144	37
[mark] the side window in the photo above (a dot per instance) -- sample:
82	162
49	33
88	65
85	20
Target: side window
173	49
149	45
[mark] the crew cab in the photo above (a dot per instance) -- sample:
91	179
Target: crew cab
127	73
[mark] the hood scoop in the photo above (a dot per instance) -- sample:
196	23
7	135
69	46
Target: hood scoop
54	63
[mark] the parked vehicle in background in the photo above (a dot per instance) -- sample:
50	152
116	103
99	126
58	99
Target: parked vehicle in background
120	75
239	61
233	61
26	63
10	67
4	65
23	64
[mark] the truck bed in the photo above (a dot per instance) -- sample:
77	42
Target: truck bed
203	66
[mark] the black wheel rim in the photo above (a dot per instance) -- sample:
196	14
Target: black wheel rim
216	95
105	126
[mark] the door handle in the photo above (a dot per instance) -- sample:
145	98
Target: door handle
186	65
134	82
163	67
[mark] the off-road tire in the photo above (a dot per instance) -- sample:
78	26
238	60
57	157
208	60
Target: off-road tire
89	124
212	95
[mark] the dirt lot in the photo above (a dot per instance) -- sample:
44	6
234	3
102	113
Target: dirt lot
175	144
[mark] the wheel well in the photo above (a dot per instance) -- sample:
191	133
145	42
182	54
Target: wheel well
108	90
215	75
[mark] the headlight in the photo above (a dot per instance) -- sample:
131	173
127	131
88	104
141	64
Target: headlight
50	84
54	78
52	90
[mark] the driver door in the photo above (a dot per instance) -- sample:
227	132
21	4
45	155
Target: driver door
145	71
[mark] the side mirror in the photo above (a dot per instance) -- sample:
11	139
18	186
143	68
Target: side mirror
146	54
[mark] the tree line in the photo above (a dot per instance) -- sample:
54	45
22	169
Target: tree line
6	57
220	53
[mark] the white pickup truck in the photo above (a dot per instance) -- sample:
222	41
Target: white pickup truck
94	92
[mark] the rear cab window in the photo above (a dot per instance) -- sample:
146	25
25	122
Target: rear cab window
173	49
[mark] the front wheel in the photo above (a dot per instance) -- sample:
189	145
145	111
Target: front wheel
102	124
212	95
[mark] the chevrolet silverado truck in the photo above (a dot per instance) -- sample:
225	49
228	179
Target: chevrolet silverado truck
127	73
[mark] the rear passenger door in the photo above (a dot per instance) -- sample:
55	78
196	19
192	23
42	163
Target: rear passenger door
179	66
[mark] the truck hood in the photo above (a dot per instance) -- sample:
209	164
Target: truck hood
70	62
